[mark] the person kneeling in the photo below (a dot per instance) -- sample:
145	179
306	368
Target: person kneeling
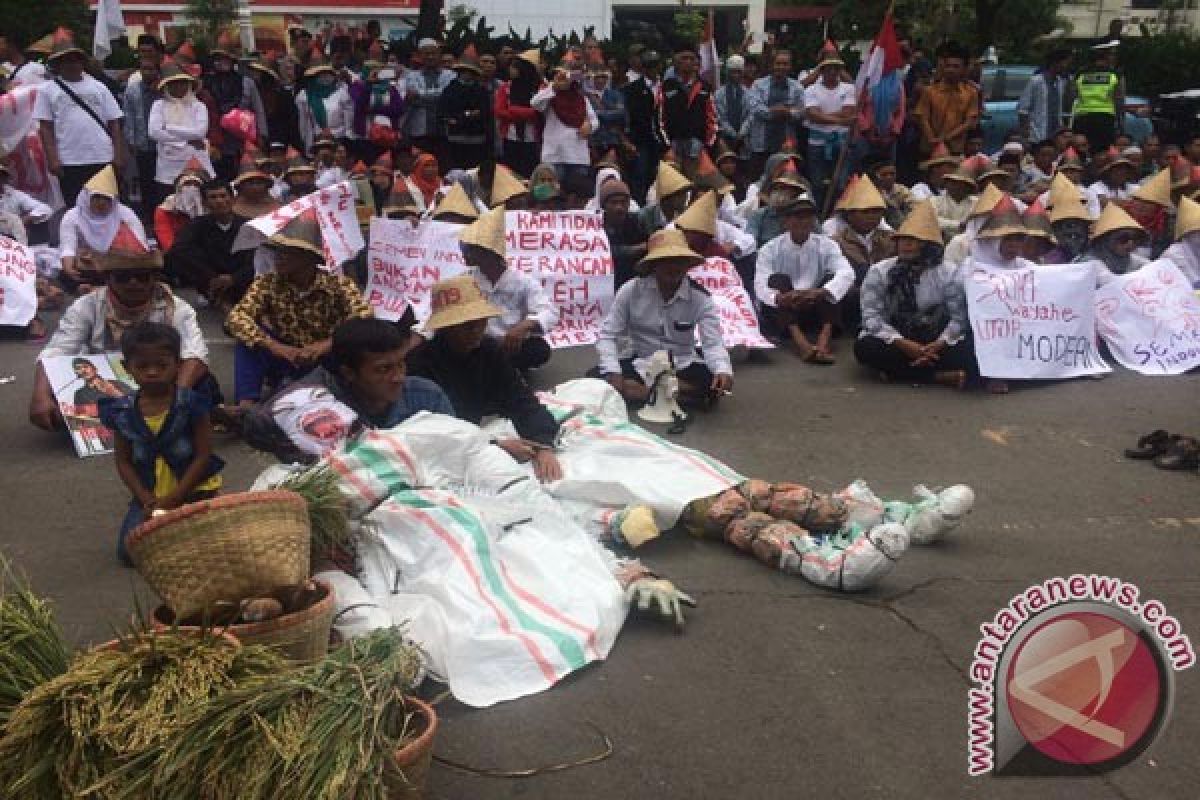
914	311
664	311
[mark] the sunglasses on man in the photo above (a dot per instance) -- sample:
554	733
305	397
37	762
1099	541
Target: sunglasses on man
134	276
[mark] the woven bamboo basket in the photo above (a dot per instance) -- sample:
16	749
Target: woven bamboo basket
300	636
406	774
231	547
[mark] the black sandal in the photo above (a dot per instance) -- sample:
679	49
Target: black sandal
1183	454
1151	445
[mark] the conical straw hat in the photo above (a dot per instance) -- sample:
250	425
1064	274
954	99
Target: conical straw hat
940	155
1037	223
922	223
457	300
1003	220
1069	208
669	244
708	176
129	252
456	202
1069	160
1063	191
104	182
300	233
506	186
1156	189
487	232
861	195
986	201
1188	219
669	181
700	216
533	57
1114	218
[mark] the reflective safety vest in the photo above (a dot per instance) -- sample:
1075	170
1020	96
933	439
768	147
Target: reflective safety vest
1097	93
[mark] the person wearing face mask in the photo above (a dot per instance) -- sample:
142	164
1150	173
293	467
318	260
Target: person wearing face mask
1113	240
181	207
177	124
1185	252
464	112
324	105
767	222
914	311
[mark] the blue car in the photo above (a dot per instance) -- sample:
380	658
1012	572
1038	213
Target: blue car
1002	87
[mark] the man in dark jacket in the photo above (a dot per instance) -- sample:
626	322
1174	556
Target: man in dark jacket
202	255
687	110
644	133
464	112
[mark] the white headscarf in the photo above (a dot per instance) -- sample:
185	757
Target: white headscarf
986	253
603	176
97	230
178	111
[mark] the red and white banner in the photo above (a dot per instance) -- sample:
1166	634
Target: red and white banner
334	207
18	283
739	324
1151	320
405	261
19	138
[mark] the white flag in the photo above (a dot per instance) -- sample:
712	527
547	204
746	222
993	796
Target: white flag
110	24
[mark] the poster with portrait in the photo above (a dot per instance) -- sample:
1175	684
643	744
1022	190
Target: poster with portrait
78	383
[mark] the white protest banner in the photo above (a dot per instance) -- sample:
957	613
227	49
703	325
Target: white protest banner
739	325
78	383
405	261
18	283
568	251
1151	320
1034	323
334	207
26	159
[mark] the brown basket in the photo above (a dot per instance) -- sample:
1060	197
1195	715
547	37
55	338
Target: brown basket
231	547
300	636
405	774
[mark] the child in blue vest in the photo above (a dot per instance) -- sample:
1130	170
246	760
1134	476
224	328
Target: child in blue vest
163	433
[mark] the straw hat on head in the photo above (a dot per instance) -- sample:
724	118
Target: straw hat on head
861	195
1114	218
487	232
532	57
700	216
127	252
172	73
1156	189
1037	222
41	47
457	300
324	138
248	170
456	202
63	43
1188	219
1069	160
469	60
506	186
1003	220
922	223
300	233
788	176
800	204
318	64
297	163
104	182
1063	191
669	181
986	201
227	45
1112	158
968	171
669	244
1069	208
940	155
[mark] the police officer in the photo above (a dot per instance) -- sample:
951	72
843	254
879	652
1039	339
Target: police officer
664	310
1100	98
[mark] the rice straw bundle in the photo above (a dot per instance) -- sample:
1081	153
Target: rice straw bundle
32	649
319	486
71	735
323	732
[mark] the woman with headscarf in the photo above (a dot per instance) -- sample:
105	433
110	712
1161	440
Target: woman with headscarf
1114	238
570	120
424	181
914	311
90	229
323	104
519	123
378	109
545	191
603	176
178	123
756	193
180	207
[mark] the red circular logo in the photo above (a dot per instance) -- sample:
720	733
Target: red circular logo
1085	688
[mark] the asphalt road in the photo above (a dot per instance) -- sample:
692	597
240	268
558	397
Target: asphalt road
777	689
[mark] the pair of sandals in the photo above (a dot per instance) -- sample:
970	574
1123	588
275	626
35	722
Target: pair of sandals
1170	451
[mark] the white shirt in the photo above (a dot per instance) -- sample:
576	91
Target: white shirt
29	73
651	323
14	201
951	213
80	140
817	262
1184	257
923	191
1102	190
519	297
560	144
828	101
339	114
82	329
172	141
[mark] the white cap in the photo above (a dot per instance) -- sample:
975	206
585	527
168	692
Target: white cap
1111	43
427	42
1012	147
735	62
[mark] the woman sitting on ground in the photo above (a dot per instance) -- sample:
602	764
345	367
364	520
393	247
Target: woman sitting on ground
914	312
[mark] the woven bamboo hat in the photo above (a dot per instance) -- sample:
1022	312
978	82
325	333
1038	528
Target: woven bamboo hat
986	201
700	216
249	170
1114	218
669	244
532	57
487	232
861	195
506	186
1156	189
969	170
128	252
172	73
1063	191
104	182
301	233
1003	220
1069	160
1068	207
669	181
940	155
458	300
1037	222
1188	219
63	43
922	223
456	202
